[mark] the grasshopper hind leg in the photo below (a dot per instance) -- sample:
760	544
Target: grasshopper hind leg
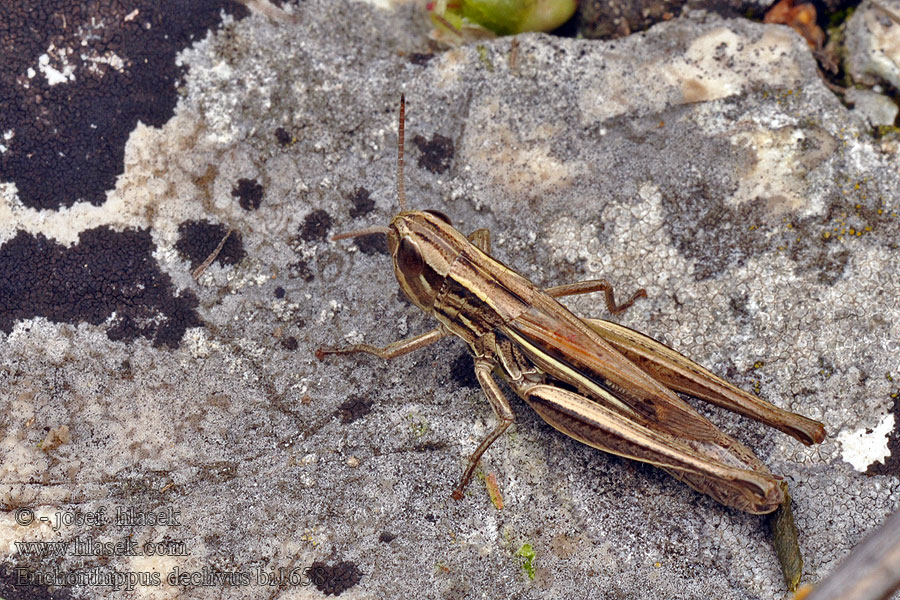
398	348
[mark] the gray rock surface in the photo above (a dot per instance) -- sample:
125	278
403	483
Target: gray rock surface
874	108
873	43
702	160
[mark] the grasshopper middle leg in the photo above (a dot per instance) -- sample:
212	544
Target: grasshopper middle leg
596	285
483	368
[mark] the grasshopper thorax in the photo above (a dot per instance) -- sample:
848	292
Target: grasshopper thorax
423	245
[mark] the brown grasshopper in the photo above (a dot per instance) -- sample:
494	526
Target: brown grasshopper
624	382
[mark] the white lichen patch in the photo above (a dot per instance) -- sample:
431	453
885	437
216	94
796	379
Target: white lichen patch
718	64
773	176
160	175
865	446
54	65
518	161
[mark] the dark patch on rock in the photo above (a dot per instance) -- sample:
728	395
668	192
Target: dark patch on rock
891	464
738	305
300	269
249	193
316	226
430	446
354	408
68	141
699	221
284	137
279	292
362	203
334	579
290	343
386	537
462	371
420	58
221	471
831	266
198	239
106	272
375	243
436	153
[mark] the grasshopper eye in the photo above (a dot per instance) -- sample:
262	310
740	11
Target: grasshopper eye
439	215
409	259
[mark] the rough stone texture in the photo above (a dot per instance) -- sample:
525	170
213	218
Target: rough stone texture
874	108
873	44
702	160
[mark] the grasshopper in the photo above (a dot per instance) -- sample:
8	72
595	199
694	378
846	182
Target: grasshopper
603	384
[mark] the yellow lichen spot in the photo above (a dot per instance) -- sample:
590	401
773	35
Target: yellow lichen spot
852	231
826	235
868	228
859	233
880	212
758	364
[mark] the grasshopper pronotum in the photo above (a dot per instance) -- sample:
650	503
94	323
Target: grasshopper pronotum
625	382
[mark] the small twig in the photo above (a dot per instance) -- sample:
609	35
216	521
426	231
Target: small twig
209	259
514	54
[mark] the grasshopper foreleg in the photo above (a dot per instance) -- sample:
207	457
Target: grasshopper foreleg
398	348
483	368
595	285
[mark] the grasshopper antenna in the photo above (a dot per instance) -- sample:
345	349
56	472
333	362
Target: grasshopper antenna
361	232
401	190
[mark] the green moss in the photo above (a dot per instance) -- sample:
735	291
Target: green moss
528	554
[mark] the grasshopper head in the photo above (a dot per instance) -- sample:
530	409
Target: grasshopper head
423	245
